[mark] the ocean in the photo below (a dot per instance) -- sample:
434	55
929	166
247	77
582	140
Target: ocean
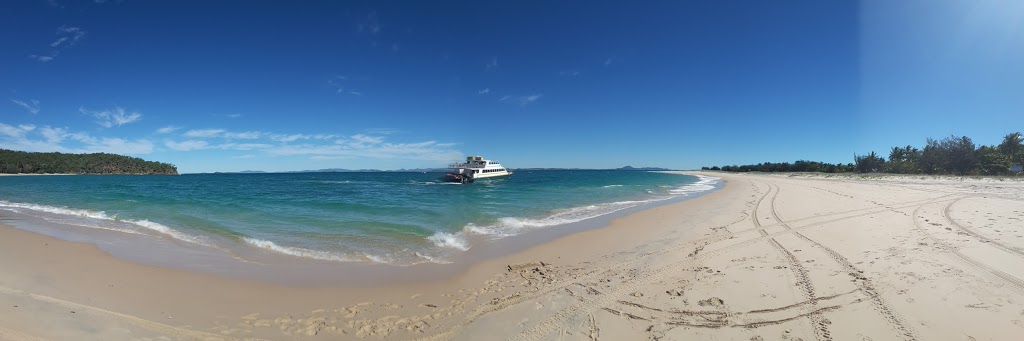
376	217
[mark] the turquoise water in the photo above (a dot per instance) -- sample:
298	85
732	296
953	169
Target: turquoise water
395	218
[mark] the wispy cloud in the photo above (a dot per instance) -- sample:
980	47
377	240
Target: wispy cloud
204	133
522	100
339	85
28	137
112	117
315	146
608	62
569	73
32	105
297	137
167	130
245	135
491	64
485	91
369	24
67	37
234	115
186	145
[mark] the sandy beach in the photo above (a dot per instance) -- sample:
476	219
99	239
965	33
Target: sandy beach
767	257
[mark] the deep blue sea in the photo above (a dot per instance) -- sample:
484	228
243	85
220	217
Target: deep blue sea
394	218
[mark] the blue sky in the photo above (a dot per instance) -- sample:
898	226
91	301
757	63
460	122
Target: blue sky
276	85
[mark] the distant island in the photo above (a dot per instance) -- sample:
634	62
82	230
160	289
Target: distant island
18	162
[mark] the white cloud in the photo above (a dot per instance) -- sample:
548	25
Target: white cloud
491	64
67	36
120	146
609	61
167	130
484	91
369	24
32	105
28	137
53	135
59	41
296	137
234	115
248	135
70	36
367	139
186	145
112	117
428	151
12	131
522	100
338	83
204	133
43	59
320	146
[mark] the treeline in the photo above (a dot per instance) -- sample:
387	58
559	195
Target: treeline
951	155
15	162
799	166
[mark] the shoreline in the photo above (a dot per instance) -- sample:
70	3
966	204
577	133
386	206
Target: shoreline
779	256
250	262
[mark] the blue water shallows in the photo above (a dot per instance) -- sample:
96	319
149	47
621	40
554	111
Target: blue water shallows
395	218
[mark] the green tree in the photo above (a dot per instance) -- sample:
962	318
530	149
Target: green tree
932	157
868	163
991	161
960	157
1013	148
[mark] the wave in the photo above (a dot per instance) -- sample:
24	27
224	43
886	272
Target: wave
510	226
449	240
101	216
431	183
703	184
610	186
297	251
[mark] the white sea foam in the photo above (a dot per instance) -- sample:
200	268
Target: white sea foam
56	210
703	184
100	216
447	240
610	186
510	226
169	231
431	259
296	251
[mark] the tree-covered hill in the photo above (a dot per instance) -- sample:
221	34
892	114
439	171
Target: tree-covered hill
14	162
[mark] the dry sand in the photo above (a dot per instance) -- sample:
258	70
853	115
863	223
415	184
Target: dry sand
768	257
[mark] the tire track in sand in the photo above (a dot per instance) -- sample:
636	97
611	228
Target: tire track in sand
888	313
983	239
795	266
517	298
1016	283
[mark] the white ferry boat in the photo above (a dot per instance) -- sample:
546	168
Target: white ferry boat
475	167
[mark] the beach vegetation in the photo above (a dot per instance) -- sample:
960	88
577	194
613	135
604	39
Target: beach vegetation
953	155
19	162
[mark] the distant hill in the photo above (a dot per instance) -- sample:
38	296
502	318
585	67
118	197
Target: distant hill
644	168
18	162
